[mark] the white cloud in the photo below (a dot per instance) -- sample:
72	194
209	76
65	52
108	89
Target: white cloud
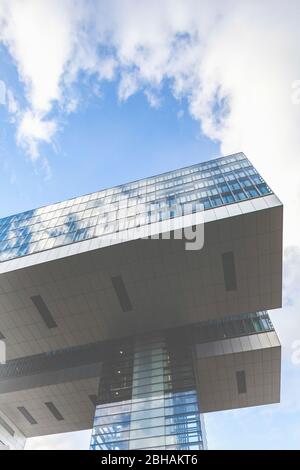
227	55
37	34
128	86
33	129
79	440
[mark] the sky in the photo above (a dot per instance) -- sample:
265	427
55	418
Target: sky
97	93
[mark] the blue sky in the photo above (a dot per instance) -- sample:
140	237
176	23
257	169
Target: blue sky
99	93
104	143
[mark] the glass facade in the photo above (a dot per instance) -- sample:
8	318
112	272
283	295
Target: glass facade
148	398
215	183
147	394
229	327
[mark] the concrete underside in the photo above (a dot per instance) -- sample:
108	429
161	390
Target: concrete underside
167	286
215	365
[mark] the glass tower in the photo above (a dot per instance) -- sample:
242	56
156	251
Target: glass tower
148	398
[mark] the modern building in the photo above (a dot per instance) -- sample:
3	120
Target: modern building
135	336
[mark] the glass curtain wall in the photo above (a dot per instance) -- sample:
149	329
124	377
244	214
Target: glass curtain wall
148	399
215	183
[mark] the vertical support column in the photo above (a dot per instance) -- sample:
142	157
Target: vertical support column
147	427
113	412
148	397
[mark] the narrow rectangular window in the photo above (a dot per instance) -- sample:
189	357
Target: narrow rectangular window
7	427
52	408
121	293
229	271
43	311
27	415
241	381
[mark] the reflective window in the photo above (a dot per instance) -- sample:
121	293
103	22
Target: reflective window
131	205
167	414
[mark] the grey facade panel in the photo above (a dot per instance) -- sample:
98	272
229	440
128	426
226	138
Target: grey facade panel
94	399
